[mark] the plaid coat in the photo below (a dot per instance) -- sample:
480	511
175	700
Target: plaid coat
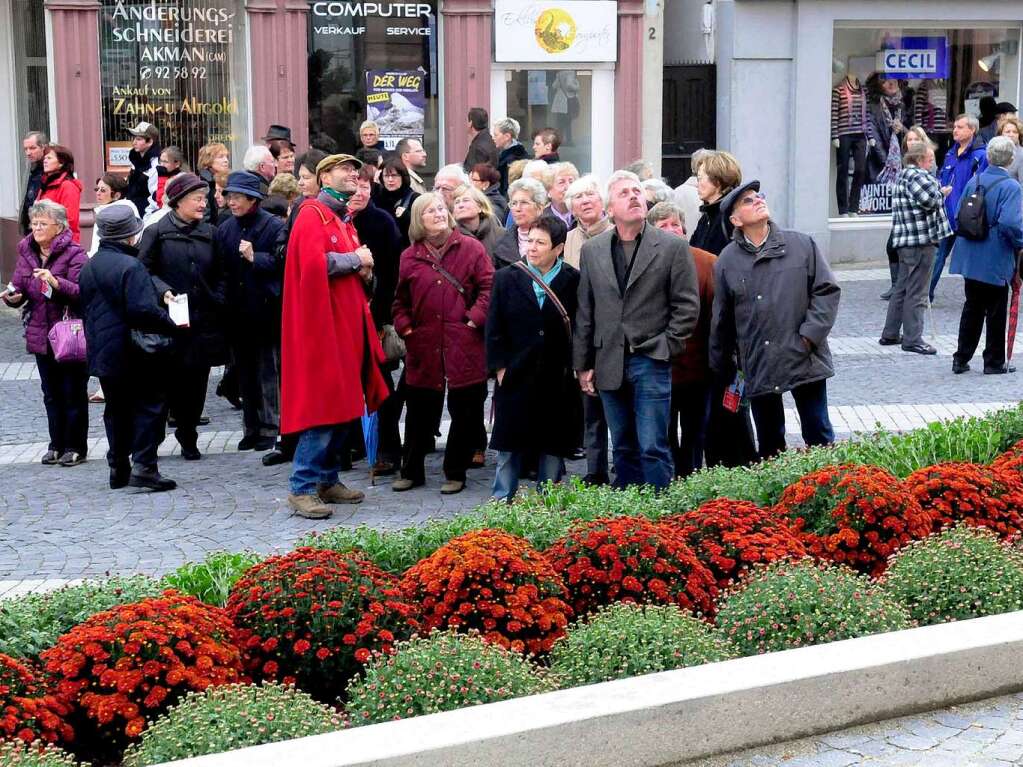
918	213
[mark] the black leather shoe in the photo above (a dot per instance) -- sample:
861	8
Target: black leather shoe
960	367
119	478
275	457
999	371
920	349
151	481
263	444
190	453
890	341
249	443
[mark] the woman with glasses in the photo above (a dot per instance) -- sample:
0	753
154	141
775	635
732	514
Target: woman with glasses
527	199
396	195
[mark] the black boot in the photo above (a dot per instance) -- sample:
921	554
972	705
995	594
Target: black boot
119	477
151	479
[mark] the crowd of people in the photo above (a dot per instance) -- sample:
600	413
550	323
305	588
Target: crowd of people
338	287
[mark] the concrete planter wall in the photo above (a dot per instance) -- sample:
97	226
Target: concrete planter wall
675	716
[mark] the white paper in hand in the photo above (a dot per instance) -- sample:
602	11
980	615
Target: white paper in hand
179	310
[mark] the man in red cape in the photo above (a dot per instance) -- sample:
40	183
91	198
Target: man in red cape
329	347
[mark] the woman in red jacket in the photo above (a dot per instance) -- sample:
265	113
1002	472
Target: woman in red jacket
440	305
61	186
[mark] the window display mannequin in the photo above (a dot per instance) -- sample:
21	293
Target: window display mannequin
930	112
849	126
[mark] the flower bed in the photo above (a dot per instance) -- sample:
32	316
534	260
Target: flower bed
361	619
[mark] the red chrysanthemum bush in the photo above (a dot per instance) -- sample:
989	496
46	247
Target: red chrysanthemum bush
854	514
729	536
1011	460
493	582
28	711
314	617
138	659
980	496
631	559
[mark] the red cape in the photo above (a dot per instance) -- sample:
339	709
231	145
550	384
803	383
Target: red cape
329	347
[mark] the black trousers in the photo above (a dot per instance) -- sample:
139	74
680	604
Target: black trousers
812	406
258	370
985	303
389	418
186	398
854	147
423	409
729	440
690	412
66	399
135	414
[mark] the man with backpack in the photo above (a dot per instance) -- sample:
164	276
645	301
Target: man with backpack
990	233
963	161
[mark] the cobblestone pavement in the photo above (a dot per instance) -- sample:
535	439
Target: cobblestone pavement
984	734
58	523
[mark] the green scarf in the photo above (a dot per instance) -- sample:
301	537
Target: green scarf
339	196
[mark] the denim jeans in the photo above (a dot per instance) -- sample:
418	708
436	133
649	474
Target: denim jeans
940	255
509	467
317	458
812	406
638	414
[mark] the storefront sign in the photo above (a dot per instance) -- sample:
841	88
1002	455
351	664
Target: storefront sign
565	30
915	58
347	19
396	102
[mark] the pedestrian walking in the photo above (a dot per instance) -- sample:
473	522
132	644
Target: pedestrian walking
440	307
34	147
254	276
918	225
529	350
329	347
638	302
45	283
526	199
60	185
989	264
718	174
184	259
482	148
963	161
119	302
144	176
775	301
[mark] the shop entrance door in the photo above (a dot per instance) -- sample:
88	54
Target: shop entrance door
689	117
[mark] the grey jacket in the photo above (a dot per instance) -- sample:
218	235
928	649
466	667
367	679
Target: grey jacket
657	313
764	305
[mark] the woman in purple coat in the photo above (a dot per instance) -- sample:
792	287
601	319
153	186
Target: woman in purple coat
45	282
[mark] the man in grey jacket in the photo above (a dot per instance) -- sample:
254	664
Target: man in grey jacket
638	302
775	301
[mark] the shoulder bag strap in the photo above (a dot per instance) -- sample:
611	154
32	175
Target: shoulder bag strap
550	294
446	275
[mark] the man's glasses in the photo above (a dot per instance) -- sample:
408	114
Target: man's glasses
752	199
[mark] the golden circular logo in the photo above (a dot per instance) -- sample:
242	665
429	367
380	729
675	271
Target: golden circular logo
555	30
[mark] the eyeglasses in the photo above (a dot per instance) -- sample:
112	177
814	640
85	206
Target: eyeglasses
520	203
752	199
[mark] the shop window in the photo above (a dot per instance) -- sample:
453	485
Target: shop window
181	67
32	95
554	98
886	80
381	67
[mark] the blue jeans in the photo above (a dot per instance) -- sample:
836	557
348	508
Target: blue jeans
317	458
509	466
638	414
940	255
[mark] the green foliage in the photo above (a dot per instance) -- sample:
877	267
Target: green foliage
18	754
625	640
30	624
230	717
440	673
958	574
795	604
211	580
540	519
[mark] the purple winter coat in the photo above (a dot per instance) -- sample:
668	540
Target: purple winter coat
65	263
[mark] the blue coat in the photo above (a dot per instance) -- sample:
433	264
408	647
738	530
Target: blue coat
993	260
958	170
117	296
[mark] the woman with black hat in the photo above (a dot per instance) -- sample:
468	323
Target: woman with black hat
118	298
184	260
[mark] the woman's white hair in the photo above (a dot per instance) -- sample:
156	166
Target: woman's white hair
54	211
662	192
587	183
1000	151
532	187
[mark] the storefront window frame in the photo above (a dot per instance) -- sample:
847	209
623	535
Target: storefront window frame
883	220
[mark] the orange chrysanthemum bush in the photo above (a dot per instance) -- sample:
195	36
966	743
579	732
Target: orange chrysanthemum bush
729	536
1011	460
980	496
138	659
28	711
314	617
493	582
854	514
631	559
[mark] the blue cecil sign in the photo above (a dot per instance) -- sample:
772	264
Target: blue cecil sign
917	58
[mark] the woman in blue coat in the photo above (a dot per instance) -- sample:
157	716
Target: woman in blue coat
989	265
